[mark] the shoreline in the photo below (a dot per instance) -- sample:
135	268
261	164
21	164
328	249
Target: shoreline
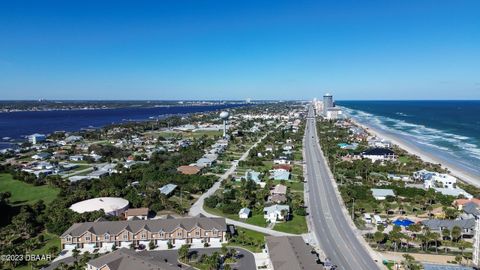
422	154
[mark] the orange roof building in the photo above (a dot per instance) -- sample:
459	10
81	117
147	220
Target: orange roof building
188	170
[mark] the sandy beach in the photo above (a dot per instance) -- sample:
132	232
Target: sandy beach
424	155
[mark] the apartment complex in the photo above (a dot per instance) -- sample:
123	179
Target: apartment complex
177	231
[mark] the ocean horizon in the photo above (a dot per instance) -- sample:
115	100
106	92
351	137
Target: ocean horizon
446	129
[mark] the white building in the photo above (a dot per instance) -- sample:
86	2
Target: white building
112	206
334	113
378	220
441	180
276	212
244	213
36	138
381	194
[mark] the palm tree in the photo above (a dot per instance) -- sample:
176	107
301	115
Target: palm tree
456	233
446	233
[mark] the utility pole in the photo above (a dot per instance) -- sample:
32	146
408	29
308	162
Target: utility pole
353	210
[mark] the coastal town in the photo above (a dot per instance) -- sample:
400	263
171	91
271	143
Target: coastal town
227	190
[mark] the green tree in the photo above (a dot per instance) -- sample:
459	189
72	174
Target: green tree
378	237
446	234
183	252
456	233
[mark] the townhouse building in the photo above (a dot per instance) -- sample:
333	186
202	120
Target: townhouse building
177	231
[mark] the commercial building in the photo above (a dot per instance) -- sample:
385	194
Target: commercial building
112	206
177	231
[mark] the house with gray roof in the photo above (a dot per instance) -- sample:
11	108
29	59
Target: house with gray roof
470	210
291	253
252	175
280	175
467	225
381	194
168	189
276	212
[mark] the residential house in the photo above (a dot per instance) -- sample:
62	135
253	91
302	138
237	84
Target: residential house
379	143
280	175
253	175
167	189
244	213
279	189
460	203
379	154
455	192
204	162
285	167
136	213
438	225
76	158
41	156
441	180
276	212
470	210
381	194
281	161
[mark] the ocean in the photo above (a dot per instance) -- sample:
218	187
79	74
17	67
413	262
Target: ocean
17	125
450	130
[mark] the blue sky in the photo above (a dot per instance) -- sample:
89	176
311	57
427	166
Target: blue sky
238	49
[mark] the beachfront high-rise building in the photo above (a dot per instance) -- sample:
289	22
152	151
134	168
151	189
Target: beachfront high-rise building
327	102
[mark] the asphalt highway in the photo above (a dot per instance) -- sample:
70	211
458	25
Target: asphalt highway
333	231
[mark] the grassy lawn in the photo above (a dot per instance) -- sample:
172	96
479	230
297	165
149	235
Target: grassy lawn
23	193
292	185
404	159
49	241
248	239
297	225
257	220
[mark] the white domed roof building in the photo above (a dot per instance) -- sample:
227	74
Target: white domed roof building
112	206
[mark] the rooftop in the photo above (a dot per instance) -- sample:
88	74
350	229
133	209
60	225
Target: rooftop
291	253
